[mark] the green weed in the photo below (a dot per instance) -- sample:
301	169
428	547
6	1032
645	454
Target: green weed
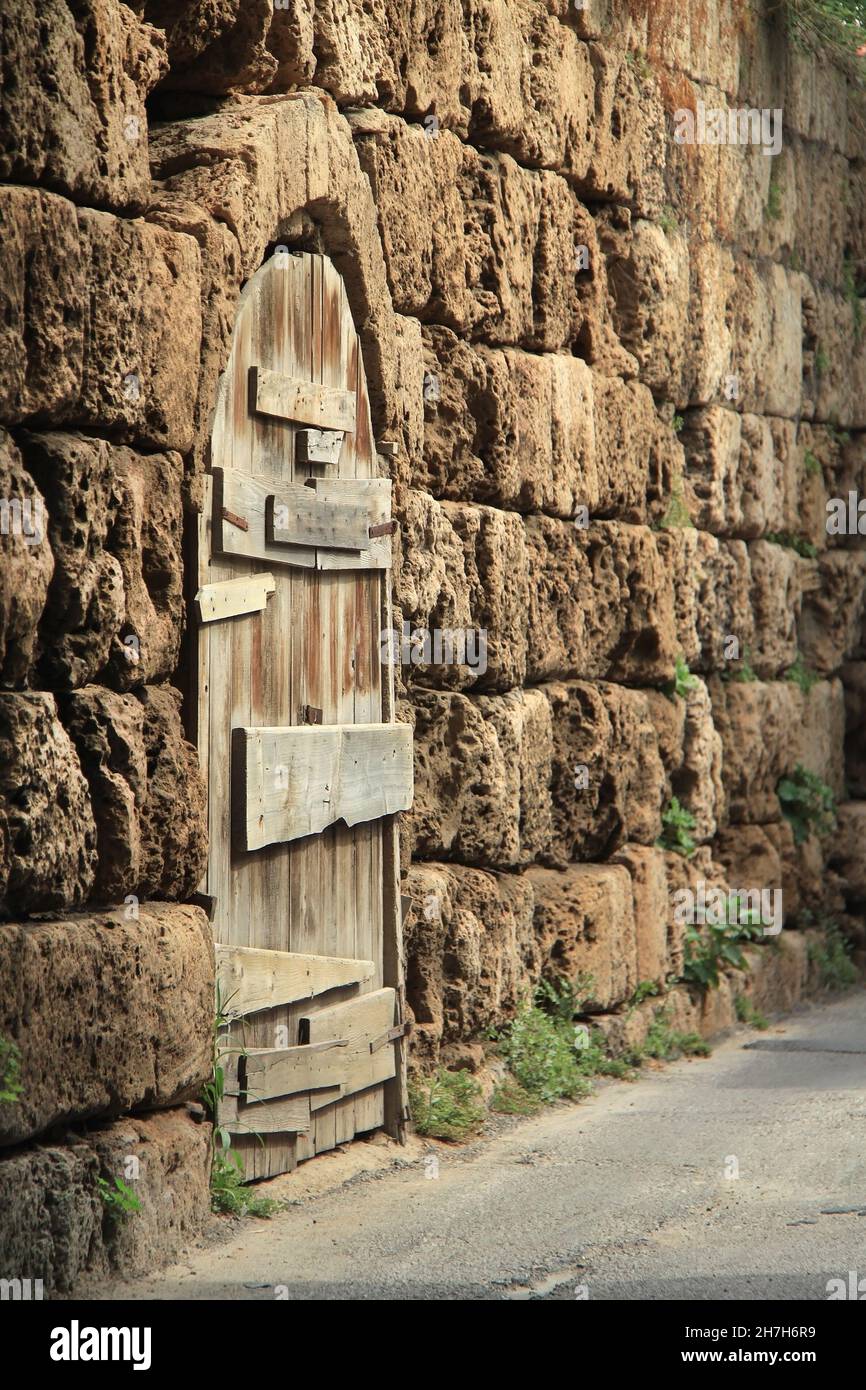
807	802
712	947
229	1194
446	1104
802	675
747	1013
812	464
665	1044
833	957
683	681
678	823
791	542
11	1085
119	1199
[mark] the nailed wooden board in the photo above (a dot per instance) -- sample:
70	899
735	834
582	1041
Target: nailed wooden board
288	1115
229	598
358	1022
282	1071
306	402
254	979
339	1059
374	494
319	446
301	516
293	782
242	495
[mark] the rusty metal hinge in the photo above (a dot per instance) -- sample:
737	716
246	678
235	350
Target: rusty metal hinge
311	714
382	528
400	1030
234	520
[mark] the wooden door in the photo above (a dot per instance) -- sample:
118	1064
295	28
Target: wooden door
305	766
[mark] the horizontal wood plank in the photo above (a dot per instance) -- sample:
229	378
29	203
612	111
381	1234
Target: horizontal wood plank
297	515
374	494
253	978
245	496
232	597
287	1115
290	398
361	1021
293	782
321	1063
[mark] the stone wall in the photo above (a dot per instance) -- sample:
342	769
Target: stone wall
621	374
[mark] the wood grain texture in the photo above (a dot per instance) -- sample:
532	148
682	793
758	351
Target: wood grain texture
293	782
232	597
253	979
304	402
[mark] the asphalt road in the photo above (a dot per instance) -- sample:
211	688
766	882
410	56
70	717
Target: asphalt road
630	1195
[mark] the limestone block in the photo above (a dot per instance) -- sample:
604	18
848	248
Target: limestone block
63	1242
102	320
649	885
759	724
47	832
584	920
601	603
848	853
27	563
108	1014
830	625
509	428
471	951
74	84
608	780
467	788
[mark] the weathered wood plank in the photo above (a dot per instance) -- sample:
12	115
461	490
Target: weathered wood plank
362	1021
319	446
254	979
375	495
297	515
289	1114
293	782
229	598
307	402
282	1071
245	497
328	1059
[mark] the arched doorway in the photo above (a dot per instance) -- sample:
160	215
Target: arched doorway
304	764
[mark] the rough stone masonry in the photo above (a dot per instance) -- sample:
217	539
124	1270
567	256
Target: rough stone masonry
625	375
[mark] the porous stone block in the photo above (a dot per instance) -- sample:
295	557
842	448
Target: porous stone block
47	832
110	1012
584	921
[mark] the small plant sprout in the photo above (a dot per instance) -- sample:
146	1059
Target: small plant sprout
807	802
677	823
118	1198
682	682
802	675
11	1085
